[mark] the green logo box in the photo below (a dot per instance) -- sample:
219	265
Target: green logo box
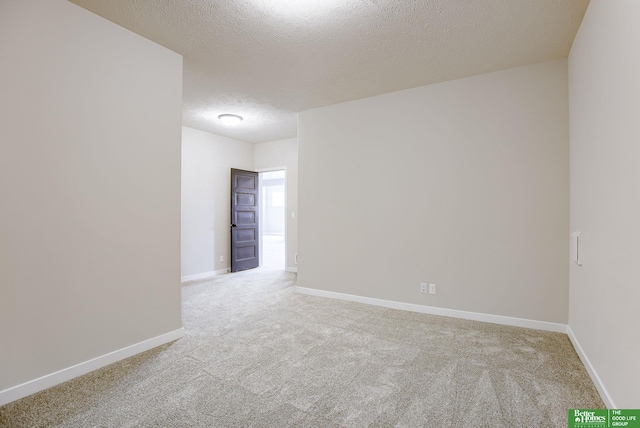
604	418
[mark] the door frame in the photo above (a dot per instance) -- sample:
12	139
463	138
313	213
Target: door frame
261	216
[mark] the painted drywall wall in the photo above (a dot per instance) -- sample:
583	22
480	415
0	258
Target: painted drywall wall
198	205
464	184
90	187
604	89
207	160
277	154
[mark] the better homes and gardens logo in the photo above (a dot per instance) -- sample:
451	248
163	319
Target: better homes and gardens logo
603	418
589	418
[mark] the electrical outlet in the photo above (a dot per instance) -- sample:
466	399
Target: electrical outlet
296	258
221	259
432	289
423	287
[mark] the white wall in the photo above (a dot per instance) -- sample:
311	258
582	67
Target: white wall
276	154
198	204
464	184
604	66
90	186
207	160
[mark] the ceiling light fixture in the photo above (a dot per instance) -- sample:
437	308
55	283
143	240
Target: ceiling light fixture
230	119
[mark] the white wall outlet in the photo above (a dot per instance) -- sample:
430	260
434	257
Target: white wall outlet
221	259
423	287
432	289
296	259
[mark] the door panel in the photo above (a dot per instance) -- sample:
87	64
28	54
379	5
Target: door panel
244	220
243	235
245	199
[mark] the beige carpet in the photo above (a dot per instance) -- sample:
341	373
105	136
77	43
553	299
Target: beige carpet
257	354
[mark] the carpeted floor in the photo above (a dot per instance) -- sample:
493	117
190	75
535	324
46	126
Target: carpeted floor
258	354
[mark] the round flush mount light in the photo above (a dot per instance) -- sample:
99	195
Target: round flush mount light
230	119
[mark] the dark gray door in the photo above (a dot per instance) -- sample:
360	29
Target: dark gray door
244	220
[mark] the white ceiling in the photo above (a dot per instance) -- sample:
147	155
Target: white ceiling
266	60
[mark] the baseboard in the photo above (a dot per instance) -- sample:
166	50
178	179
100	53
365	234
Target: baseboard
604	394
204	275
53	379
474	316
292	269
197	276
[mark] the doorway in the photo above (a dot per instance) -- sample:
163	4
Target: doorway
272	217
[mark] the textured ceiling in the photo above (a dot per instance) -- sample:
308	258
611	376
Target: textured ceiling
266	60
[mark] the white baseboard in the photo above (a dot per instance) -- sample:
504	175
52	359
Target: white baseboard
292	269
204	275
604	394
53	379
196	276
432	310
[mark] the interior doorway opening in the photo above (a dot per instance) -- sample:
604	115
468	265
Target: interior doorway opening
273	230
